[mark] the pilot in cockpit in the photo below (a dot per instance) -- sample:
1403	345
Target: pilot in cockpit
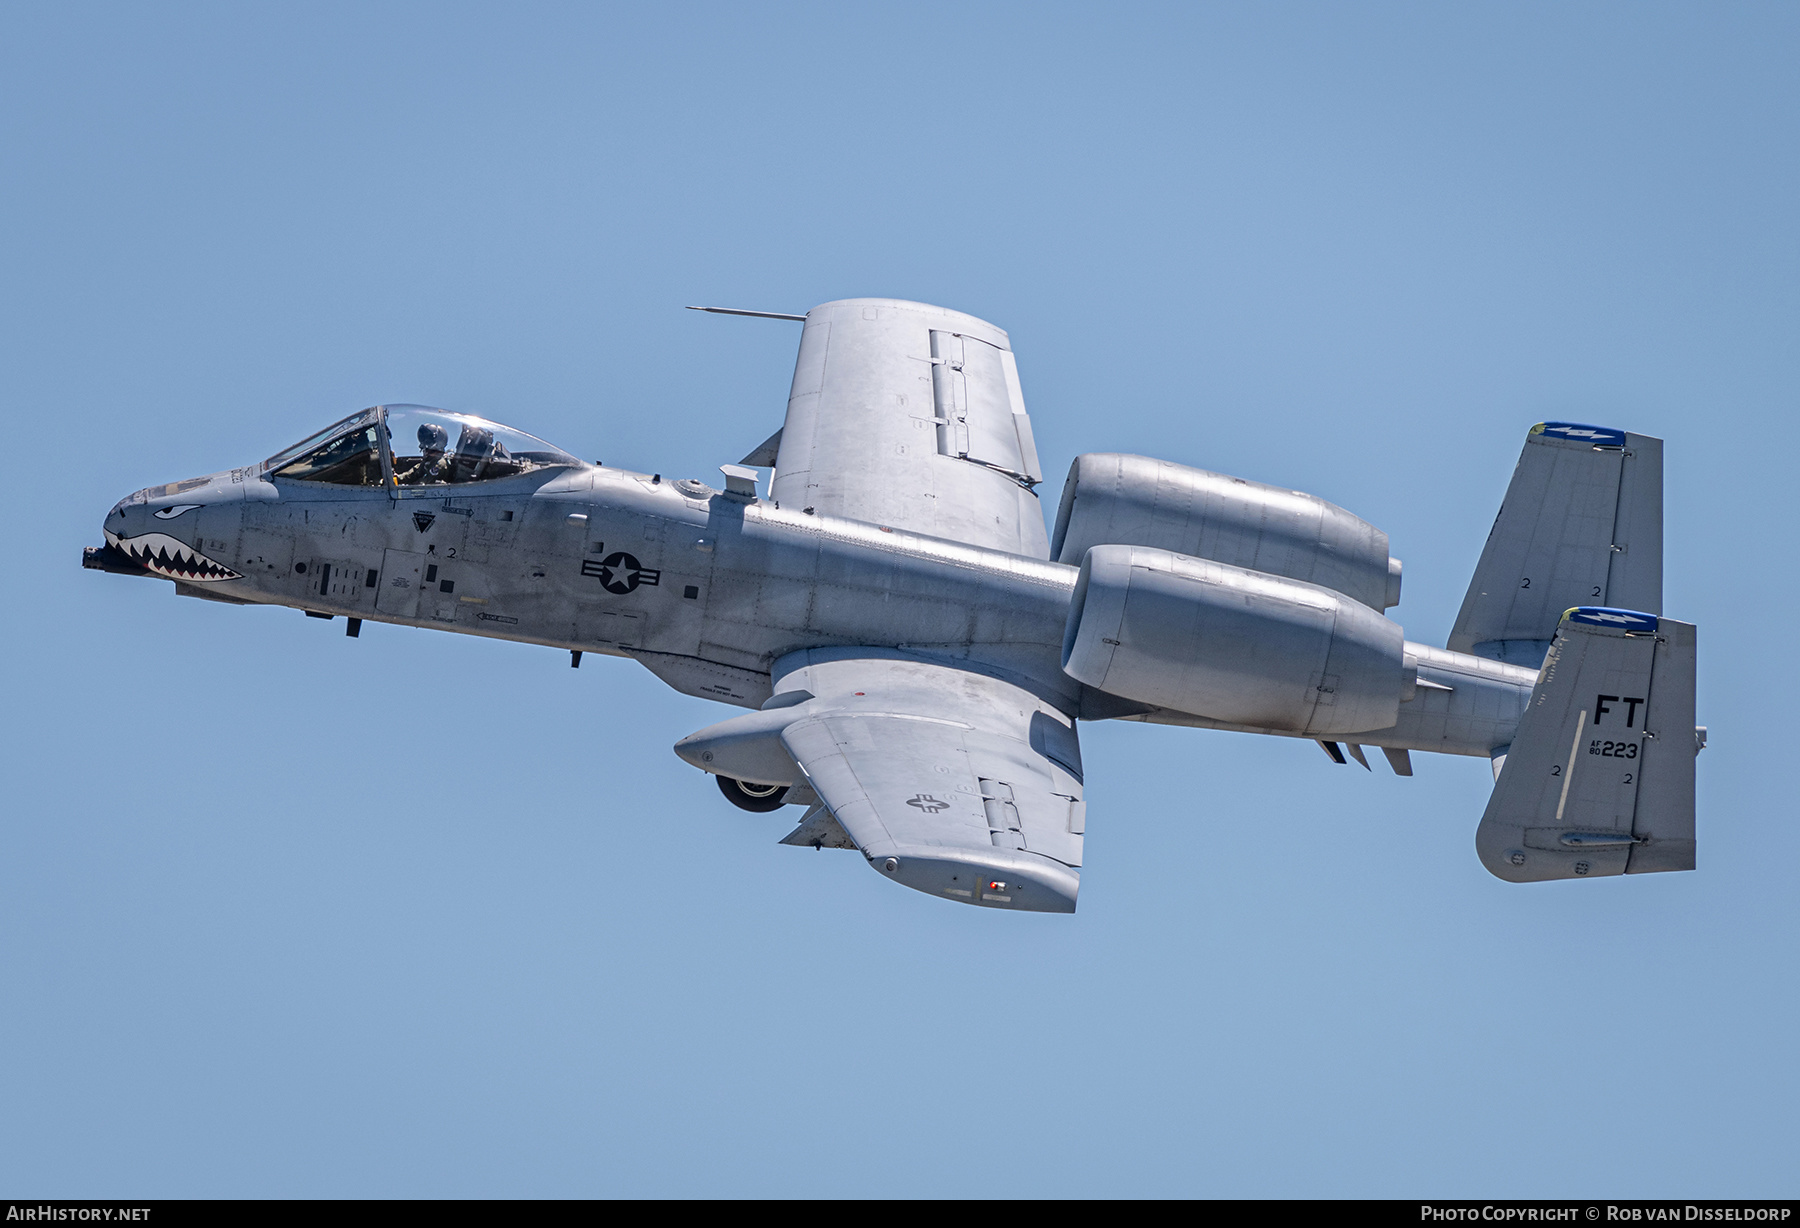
432	465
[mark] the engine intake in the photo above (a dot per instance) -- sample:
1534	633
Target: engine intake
1111	497
1232	645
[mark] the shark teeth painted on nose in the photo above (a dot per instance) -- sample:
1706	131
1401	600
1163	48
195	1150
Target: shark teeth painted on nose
168	556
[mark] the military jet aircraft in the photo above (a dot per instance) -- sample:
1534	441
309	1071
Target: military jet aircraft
914	650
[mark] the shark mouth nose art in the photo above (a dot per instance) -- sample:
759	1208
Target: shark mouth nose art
168	556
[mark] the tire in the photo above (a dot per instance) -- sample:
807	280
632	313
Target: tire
758	799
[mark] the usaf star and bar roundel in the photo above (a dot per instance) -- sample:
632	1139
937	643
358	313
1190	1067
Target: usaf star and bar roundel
620	573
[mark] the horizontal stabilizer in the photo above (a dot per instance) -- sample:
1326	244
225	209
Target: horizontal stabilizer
1581	526
1600	777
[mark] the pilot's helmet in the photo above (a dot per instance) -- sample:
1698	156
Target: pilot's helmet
433	438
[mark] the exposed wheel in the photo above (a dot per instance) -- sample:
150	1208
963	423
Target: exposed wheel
758	799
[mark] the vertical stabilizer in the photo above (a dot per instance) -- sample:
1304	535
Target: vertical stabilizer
1581	526
1600	777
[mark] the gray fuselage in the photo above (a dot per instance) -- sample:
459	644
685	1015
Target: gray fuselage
705	588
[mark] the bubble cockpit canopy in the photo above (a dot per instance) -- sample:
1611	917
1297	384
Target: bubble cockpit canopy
414	445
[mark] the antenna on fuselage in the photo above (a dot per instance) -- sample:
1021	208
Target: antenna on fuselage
738	311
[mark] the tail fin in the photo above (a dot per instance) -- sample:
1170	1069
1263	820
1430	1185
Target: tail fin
1581	526
1600	777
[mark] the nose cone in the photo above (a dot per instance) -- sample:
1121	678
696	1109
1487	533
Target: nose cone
156	532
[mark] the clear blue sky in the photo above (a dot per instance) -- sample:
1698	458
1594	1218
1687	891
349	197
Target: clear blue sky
283	913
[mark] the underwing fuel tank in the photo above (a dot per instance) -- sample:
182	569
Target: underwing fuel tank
1231	644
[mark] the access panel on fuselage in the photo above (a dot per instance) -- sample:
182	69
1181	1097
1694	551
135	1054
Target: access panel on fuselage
397	593
437	589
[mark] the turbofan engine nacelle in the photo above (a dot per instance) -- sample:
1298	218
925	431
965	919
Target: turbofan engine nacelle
1230	644
1111	497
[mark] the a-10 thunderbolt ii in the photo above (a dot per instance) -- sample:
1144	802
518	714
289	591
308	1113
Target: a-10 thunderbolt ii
914	650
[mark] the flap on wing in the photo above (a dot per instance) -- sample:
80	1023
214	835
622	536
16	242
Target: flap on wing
911	416
1599	779
943	777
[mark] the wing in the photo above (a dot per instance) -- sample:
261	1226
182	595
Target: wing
951	782
909	415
